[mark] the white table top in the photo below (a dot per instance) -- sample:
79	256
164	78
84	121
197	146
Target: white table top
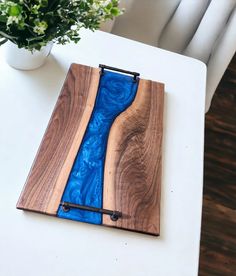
39	245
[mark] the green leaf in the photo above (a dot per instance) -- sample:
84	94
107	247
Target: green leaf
44	3
3	18
115	11
15	10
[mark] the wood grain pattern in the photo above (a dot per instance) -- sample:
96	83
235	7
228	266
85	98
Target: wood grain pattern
48	176
132	177
218	238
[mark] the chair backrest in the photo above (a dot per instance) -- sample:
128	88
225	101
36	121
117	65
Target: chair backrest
202	29
190	27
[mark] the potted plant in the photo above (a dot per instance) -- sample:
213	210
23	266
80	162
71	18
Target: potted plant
32	26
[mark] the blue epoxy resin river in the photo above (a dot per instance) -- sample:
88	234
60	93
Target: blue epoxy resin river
115	94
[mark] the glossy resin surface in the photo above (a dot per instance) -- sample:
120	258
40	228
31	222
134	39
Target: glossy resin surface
85	184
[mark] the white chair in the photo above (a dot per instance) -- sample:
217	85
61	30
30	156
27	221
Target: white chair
202	29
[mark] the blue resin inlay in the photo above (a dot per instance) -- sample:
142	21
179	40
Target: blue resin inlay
85	183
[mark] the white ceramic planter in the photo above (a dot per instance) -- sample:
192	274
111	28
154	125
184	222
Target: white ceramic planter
24	59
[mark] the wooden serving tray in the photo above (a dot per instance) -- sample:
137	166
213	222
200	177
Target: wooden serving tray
101	151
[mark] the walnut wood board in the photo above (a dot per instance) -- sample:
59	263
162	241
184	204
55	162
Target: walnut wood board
102	150
132	177
48	176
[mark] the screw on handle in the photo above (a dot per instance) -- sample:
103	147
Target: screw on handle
135	74
114	215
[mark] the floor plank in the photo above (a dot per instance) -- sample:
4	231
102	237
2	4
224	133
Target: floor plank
218	236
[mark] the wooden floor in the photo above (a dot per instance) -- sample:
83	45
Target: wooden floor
218	238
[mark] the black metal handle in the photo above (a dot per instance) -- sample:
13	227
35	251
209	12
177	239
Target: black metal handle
114	215
102	66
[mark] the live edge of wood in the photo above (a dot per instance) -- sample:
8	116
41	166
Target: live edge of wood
49	173
132	177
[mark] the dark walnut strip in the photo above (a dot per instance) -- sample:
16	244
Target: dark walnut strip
132	178
48	176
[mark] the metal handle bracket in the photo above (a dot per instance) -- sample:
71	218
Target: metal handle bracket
134	74
114	215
